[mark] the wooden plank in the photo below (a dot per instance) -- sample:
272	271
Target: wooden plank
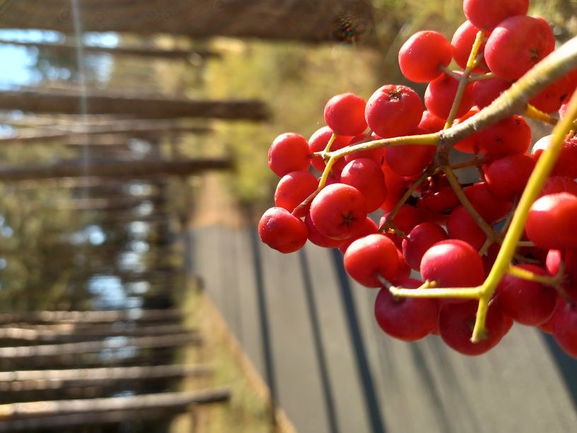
303	20
90	419
72	333
122	50
119	169
17	411
139	105
36	380
104	316
115	343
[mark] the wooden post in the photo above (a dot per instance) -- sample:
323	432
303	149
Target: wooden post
43	380
118	169
156	107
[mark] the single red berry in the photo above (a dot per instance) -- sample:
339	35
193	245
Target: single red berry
338	210
551	221
345	114
370	258
393	110
366	176
527	302
288	152
456	323
407	319
423	55
281	230
453	263
293	188
565	329
441	92
525	39
486	14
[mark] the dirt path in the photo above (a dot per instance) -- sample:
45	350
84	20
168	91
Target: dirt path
214	203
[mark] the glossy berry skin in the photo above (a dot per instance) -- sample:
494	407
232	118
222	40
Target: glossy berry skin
525	39
345	114
486	91
338	211
462	42
281	230
293	188
440	93
408	319
508	136
452	263
486	14
366	175
369	257
288	152
506	177
456	323
565	329
419	240
551	221
525	301
461	225
393	110
423	54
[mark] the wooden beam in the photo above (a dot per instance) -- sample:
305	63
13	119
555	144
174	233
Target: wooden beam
302	20
71	333
106	316
146	52
83	134
157	107
36	380
62	349
45	410
117	169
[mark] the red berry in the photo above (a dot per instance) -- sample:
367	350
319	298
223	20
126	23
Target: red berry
525	301
453	263
456	322
281	230
461	225
565	329
525	39
462	43
423	54
345	114
407	319
419	240
486	14
366	175
338	210
506	177
440	93
371	257
393	110
293	188
288	152
551	221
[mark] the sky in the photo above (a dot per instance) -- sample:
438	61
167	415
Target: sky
16	63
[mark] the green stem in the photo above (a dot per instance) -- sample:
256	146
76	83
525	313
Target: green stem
538	177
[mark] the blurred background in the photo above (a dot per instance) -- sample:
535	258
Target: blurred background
134	294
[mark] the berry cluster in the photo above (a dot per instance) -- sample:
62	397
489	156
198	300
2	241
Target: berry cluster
442	201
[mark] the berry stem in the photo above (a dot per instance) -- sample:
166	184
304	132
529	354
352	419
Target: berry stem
538	177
